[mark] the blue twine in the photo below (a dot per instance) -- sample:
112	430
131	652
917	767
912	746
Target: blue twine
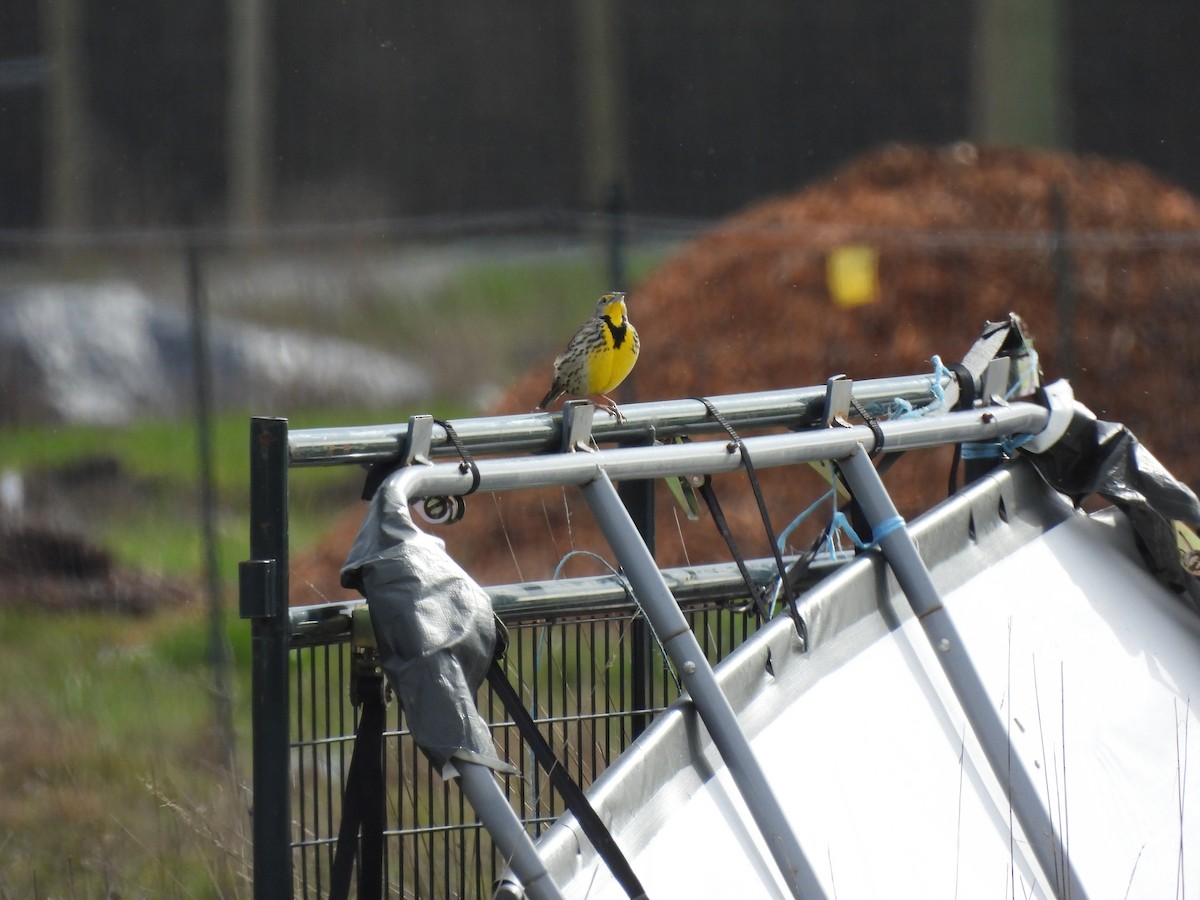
902	409
886	527
1014	443
1024	367
1005	448
781	543
939	395
982	450
842	524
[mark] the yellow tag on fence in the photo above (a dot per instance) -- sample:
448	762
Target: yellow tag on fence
852	272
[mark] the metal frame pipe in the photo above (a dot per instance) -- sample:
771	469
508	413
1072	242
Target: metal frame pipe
595	472
711	585
715	457
533	432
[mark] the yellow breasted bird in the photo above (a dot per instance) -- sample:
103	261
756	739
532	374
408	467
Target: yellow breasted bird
598	357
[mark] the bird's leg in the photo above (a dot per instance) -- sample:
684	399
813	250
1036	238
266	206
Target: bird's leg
607	404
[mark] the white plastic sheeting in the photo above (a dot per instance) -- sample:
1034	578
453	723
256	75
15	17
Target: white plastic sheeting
109	353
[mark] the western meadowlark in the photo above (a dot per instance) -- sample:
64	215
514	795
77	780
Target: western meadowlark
598	357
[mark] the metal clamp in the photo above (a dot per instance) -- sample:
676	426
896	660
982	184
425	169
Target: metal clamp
839	394
366	673
577	425
418	444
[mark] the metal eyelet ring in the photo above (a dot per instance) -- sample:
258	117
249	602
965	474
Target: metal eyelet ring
443	510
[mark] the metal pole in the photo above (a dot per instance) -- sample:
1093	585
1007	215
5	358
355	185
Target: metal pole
793	408
509	835
701	684
264	591
220	657
914	578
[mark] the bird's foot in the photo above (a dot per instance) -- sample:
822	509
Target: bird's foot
609	406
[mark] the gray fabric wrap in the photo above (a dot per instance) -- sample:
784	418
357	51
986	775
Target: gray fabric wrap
434	627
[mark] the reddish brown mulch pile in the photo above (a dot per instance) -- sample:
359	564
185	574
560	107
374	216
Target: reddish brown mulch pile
963	235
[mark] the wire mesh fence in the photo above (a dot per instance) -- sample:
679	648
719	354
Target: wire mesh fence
581	679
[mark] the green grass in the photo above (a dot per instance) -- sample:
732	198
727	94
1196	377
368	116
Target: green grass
113	779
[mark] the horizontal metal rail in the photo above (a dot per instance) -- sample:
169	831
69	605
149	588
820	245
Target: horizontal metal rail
713	585
541	432
716	457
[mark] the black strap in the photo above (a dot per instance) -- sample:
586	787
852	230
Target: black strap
363	803
714	508
577	802
871	423
467	464
736	443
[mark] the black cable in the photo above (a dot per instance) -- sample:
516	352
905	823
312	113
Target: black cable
718	515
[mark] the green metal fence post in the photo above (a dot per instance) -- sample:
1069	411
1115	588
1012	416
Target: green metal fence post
263	590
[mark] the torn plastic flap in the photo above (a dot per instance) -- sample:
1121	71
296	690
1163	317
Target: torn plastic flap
1105	458
435	629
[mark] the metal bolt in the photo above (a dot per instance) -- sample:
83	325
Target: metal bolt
689	668
944	644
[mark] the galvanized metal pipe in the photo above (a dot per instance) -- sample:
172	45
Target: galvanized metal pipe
715	457
700	586
535	432
916	582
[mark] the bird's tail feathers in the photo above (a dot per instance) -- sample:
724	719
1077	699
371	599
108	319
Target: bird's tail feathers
550	397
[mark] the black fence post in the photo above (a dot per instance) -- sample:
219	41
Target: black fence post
220	656
263	583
